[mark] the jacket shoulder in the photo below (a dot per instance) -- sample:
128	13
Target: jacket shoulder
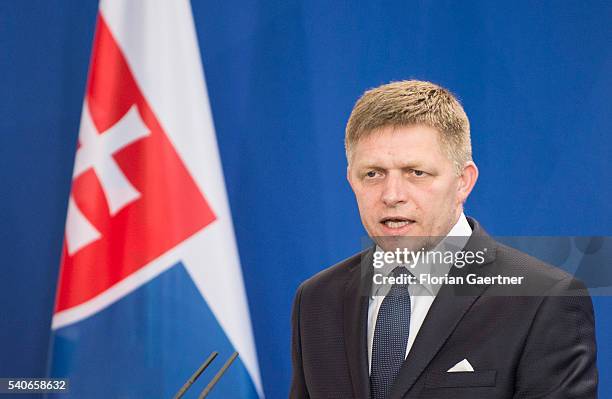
540	277
334	275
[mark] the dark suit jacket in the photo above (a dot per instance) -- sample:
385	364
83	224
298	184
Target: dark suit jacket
532	341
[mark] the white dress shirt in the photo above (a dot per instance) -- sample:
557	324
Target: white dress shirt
421	295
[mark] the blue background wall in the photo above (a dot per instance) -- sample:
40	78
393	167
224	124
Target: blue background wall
534	78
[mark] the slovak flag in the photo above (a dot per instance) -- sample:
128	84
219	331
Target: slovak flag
150	281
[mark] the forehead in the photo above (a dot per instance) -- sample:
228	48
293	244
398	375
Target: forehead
400	144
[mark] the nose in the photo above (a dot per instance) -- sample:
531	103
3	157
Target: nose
394	192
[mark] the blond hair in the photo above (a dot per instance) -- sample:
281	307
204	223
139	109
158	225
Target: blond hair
410	103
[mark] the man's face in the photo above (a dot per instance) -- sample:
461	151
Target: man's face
406	186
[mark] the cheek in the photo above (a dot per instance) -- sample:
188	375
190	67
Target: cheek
436	201
367	205
366	197
446	192
426	197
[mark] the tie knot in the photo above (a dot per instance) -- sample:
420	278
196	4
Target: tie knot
401	281
399	271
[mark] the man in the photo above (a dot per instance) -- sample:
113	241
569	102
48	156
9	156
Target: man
504	325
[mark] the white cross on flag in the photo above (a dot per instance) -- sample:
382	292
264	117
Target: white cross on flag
96	151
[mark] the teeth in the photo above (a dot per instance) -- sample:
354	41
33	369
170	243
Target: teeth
396	225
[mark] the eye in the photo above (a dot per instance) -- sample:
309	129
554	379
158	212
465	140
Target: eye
371	174
417	172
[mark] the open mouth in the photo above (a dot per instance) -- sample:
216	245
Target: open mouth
396	222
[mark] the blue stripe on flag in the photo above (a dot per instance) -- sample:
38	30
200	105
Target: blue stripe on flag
147	344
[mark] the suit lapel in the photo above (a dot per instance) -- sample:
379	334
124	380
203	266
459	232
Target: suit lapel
355	325
448	308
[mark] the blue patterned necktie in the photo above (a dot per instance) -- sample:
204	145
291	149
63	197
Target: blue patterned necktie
390	338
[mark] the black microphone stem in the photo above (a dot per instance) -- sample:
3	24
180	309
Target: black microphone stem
195	375
218	376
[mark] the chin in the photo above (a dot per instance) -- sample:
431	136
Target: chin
411	243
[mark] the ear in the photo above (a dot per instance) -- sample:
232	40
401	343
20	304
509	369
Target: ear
348	176
467	180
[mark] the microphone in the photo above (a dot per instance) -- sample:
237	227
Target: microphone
195	375
218	376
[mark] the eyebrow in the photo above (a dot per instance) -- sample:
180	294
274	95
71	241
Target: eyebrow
406	165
